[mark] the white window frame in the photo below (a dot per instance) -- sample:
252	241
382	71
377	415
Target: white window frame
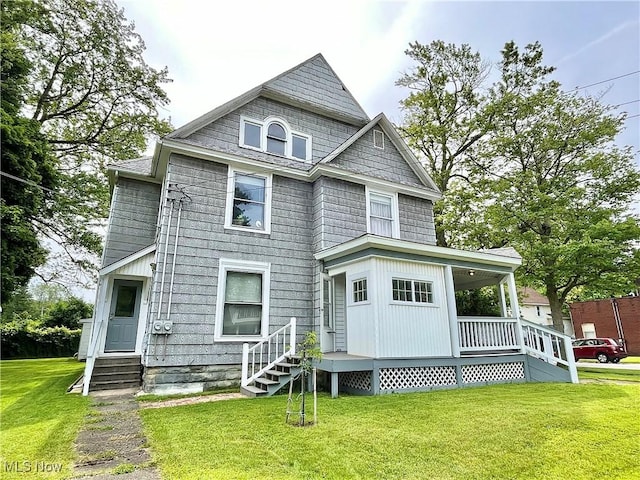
395	227
230	265
365	290
231	186
413	280
264	127
380	135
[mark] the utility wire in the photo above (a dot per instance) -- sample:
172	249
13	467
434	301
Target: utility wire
627	103
28	182
608	80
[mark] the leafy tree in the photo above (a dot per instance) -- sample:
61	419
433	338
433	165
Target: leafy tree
25	155
481	301
67	313
94	99
445	114
554	186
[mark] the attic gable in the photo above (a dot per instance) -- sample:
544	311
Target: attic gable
315	84
394	162
311	85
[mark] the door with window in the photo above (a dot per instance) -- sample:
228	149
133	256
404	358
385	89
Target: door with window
124	313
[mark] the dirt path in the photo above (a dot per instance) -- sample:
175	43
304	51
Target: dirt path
191	400
111	444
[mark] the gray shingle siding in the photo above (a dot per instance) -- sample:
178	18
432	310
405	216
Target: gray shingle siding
362	157
224	134
133	220
416	220
343	214
314	82
203	241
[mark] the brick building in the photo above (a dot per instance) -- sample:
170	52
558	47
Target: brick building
617	318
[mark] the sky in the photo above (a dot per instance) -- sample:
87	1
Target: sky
217	50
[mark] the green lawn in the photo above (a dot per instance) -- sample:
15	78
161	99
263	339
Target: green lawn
525	431
39	421
595	373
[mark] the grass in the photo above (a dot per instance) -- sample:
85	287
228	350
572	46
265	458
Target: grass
520	431
594	373
39	421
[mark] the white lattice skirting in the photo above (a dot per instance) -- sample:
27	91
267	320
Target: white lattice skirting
492	372
416	377
356	380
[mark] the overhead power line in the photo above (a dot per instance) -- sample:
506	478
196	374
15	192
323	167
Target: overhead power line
28	182
608	80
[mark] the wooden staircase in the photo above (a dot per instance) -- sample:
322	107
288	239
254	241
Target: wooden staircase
114	373
273	379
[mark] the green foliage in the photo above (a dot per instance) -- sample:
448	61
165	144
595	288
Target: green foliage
40	421
68	313
480	302
26	338
444	114
76	69
308	350
546	178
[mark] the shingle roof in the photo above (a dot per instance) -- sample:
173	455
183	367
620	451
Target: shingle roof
140	166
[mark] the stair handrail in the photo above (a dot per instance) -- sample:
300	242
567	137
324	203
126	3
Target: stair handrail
281	349
544	343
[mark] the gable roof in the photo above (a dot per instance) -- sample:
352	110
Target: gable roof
532	297
311	85
383	122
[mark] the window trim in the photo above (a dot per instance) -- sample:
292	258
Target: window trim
395	226
378	145
413	281
364	290
264	128
228	216
244	266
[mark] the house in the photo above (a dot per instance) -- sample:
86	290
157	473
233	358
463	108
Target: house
617	318
535	308
288	209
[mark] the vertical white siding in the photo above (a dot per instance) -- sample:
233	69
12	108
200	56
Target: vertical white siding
138	268
361	316
411	330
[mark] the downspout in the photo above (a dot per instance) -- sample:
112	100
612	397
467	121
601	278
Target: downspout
618	320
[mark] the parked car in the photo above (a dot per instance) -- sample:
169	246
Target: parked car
602	349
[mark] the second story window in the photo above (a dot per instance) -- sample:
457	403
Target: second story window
276	139
382	214
248	201
273	135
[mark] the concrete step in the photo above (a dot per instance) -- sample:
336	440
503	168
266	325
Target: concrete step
117	369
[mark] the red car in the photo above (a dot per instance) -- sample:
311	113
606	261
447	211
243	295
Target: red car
602	349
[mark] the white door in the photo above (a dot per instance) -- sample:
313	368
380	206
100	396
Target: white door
327	340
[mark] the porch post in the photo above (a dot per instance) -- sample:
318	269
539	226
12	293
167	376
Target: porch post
503	299
453	311
515	309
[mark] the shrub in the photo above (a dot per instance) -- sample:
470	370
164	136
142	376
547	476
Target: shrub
26	339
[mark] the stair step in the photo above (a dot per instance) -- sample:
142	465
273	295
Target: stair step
252	391
265	381
113	385
276	373
287	365
117	361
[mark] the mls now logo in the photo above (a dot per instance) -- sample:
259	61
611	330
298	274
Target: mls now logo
26	467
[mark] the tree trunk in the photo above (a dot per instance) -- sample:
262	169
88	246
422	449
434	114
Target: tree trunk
556	309
441	239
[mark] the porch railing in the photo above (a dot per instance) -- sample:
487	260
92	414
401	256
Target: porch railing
549	345
265	354
483	334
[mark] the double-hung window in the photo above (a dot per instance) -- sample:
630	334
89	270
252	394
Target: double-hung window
248	201
416	291
243	299
382	214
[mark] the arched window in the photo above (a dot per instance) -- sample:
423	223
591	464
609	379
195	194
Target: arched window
274	135
276	139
